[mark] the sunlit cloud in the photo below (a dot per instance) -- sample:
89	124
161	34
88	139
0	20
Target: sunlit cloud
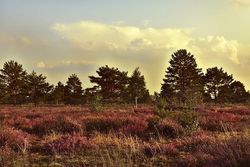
41	64
217	47
84	46
93	36
147	47
98	37
241	2
77	62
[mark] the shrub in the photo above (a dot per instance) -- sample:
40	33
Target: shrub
95	104
212	125
137	128
58	124
193	142
68	144
235	110
151	150
2	117
20	123
103	124
217	121
188	120
234	151
152	130
16	140
169	128
144	110
162	108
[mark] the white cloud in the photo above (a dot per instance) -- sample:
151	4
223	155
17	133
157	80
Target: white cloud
150	48
26	41
241	2
93	36
217	47
40	64
101	38
79	62
85	46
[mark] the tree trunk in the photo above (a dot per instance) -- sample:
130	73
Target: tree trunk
136	103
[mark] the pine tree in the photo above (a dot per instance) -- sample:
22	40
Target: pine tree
183	80
37	87
111	82
217	84
58	93
239	93
13	81
2	90
137	91
73	90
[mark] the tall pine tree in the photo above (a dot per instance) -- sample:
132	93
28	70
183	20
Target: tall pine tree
183	79
13	81
217	84
73	90
37	87
59	93
112	83
137	91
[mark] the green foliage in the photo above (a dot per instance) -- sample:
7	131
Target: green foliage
112	83
169	128
59	93
73	90
136	90
37	87
217	83
189	120
182	77
238	92
95	104
13	81
193	99
103	125
162	107
56	125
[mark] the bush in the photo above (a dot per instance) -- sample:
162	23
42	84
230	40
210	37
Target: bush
194	142
162	108
169	128
235	110
151	150
68	144
103	124
217	121
188	120
234	151
16	140
95	104
62	125
136	128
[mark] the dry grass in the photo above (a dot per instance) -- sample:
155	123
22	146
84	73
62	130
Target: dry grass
75	136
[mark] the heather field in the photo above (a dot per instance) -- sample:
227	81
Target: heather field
123	136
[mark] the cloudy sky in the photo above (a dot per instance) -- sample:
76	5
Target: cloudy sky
58	38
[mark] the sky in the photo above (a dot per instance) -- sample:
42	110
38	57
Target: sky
59	38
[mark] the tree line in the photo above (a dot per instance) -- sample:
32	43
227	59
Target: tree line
184	84
111	86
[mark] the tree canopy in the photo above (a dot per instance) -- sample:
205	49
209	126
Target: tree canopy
183	78
184	85
137	87
13	81
73	90
112	83
217	82
37	87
